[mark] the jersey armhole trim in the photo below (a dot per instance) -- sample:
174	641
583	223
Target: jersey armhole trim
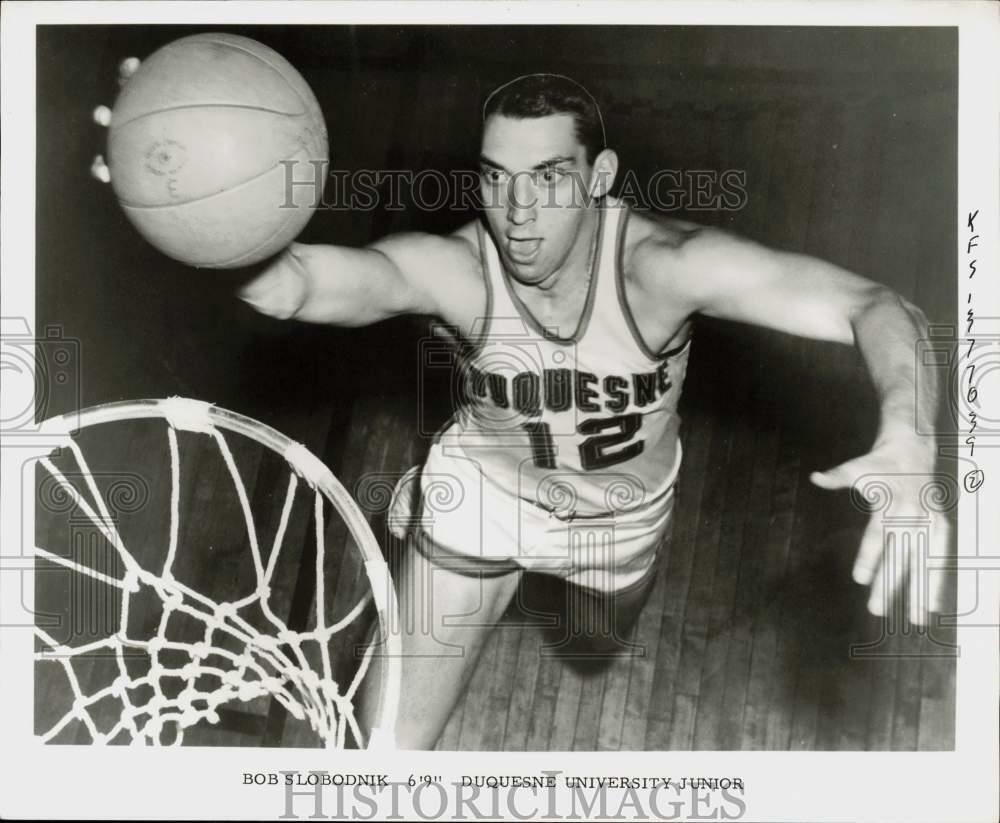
476	342
623	299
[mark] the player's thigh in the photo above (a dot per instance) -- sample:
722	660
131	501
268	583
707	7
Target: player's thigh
451	592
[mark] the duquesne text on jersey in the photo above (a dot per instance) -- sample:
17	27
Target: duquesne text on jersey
559	390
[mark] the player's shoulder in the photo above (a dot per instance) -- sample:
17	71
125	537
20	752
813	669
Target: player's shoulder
462	296
665	253
655	239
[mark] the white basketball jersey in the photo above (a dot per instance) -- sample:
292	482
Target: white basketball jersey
583	424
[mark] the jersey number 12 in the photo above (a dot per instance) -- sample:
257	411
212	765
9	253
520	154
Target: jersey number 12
599	450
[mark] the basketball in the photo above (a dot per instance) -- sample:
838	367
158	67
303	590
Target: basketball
204	142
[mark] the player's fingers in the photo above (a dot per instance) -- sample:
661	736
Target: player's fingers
127	67
99	170
936	580
839	477
279	291
886	585
889	580
941	535
919	584
869	554
269	281
876	595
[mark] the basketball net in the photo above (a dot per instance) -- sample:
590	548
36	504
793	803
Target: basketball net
266	664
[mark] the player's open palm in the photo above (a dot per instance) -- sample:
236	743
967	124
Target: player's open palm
897	478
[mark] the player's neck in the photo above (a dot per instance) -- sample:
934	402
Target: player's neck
574	275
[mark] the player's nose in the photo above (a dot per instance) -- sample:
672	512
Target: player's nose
522	200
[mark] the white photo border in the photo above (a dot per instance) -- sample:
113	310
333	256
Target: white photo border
79	781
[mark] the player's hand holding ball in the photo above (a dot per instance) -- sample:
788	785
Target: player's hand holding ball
283	287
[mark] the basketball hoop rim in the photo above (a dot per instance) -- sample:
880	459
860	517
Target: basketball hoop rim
186	414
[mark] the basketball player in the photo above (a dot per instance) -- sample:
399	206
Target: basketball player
574	317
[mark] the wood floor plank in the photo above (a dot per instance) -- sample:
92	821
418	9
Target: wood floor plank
846	729
755	710
884	674
779	671
588	717
713	708
751	636
698	659
804	713
781	469
543	708
906	717
735	685
639	698
936	731
682	726
677	580
711	690
502	690
611	714
524	677
566	710
474	719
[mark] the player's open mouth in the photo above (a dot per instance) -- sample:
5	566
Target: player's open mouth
523	251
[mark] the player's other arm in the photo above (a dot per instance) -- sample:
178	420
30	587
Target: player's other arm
736	279
724	276
400	274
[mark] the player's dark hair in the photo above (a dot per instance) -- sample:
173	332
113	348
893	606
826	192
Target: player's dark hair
540	95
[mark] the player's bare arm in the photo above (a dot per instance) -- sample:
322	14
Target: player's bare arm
677	270
406	273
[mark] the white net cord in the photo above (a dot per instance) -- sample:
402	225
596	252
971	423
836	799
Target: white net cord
273	664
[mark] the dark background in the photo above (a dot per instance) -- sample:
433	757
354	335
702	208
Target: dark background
848	138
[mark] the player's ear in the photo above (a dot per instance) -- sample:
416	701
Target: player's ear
605	170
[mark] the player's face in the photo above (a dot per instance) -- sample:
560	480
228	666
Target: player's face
534	183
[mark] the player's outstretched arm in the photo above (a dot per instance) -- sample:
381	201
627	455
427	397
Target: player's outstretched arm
343	286
724	276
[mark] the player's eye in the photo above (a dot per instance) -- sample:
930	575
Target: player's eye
550	176
493	176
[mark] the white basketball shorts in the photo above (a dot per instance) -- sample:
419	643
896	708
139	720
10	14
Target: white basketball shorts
465	521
